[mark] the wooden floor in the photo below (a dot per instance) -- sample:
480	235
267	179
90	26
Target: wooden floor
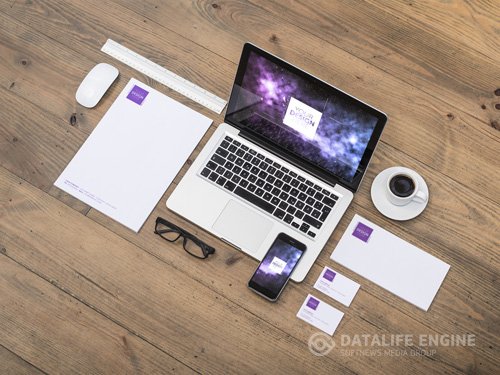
79	293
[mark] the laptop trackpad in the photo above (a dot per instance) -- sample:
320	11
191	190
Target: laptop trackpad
242	227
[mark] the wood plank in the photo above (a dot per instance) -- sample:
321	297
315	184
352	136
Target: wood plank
185	319
413	51
11	363
471	24
59	334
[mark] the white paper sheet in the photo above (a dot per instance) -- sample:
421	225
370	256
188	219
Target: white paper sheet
133	154
390	262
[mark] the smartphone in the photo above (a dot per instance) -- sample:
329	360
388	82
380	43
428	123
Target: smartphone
274	271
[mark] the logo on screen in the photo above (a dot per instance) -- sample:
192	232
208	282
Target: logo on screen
277	265
302	118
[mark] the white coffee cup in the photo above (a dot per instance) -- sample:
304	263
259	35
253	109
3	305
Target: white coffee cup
403	188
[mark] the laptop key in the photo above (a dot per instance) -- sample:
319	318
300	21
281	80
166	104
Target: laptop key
240	152
228	174
236	179
228	138
248	157
302	187
262	175
236	169
279	174
280	214
312	234
270	179
324	214
230	185
304	227
259	192
213	176
259	202
312	221
310	201
294	192
244	183
255	161
291	210
295	183
218	159
229	165
244	174
318	205
276	165
334	197
309	183
211	165
264	165
284	196
271	170
269	161
267	196
224	144
317	187
326	192
318	196
275	200
329	202
247	166
276	191
308	209
293	174
288	219
295	225
287	178
255	170
301	179
220	170
283	205
260	182
278	183
243	147
231	157
205	172
292	200
260	156
299	214
236	143
253	152
284	169
302	196
300	205
220	151
268	187
311	192
316	214
252	178
221	181
252	188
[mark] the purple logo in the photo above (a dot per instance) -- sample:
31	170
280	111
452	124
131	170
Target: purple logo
312	303
362	232
137	94
329	275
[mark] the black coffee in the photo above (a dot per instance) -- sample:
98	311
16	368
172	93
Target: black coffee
402	185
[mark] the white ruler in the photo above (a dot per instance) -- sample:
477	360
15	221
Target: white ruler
164	76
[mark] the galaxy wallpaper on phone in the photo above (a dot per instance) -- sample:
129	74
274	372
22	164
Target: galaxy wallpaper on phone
312	121
277	266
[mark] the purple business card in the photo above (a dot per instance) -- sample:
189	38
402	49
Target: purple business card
312	303
137	94
362	231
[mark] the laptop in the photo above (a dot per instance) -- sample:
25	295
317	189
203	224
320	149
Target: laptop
290	155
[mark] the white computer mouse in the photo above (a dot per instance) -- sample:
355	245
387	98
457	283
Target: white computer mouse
95	84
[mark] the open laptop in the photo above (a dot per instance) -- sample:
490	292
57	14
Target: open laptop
290	154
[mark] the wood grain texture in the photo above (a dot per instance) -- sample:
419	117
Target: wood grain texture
432	66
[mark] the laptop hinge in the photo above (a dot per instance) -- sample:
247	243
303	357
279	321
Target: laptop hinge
296	161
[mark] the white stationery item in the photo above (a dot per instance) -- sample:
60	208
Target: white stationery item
387	260
320	314
164	76
337	286
133	154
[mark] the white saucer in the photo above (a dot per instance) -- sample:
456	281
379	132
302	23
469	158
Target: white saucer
386	208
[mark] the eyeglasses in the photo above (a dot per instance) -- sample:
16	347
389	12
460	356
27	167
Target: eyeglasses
191	244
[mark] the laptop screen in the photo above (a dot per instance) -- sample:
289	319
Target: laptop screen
322	127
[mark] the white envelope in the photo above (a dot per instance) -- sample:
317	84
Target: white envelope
389	261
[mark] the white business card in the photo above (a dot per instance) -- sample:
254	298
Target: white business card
337	286
320	314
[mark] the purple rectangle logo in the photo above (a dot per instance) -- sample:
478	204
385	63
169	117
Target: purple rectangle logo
362	231
312	303
329	275
137	94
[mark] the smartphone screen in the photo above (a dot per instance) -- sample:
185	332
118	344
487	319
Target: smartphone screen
275	269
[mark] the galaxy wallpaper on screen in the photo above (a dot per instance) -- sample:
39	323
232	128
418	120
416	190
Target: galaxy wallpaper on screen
277	266
311	121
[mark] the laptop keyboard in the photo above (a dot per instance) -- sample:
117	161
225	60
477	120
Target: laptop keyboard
270	186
